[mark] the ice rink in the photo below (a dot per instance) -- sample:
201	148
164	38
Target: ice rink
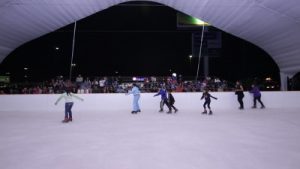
115	139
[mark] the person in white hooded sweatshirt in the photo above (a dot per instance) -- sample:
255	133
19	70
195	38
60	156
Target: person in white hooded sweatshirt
68	96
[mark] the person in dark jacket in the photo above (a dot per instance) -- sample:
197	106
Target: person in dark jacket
164	99
207	97
239	91
256	96
171	101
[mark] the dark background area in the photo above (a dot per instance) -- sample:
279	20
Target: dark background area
133	39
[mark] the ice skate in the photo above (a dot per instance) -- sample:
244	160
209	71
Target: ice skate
70	119
139	110
253	107
161	110
262	107
210	112
169	112
66	120
205	112
133	112
176	110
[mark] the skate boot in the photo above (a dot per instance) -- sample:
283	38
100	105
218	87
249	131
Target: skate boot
176	110
66	120
70	119
133	112
139	110
210	112
205	112
161	110
262	107
253	107
169	112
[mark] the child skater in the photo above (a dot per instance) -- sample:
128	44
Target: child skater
136	96
256	96
171	101
164	99
68	96
207	97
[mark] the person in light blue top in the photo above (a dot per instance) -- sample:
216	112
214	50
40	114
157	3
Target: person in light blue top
135	91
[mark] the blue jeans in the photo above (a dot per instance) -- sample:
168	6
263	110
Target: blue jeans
68	111
136	106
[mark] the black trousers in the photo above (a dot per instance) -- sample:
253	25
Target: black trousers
172	106
164	102
206	103
240	100
258	99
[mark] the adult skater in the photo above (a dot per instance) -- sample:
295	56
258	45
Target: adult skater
171	101
239	91
256	96
68	96
164	99
136	96
207	97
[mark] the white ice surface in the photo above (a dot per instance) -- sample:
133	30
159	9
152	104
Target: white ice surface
115	139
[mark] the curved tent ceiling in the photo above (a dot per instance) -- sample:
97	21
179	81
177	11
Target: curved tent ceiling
273	25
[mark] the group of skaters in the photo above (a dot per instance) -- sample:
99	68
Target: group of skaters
239	91
166	99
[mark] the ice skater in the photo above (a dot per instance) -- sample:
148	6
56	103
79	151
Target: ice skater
207	97
136	97
239	91
68	96
256	96
171	101
164	99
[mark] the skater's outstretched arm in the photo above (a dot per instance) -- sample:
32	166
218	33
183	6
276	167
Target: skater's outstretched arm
77	97
61	96
202	96
159	93
213	97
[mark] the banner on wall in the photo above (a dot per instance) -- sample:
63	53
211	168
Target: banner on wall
4	79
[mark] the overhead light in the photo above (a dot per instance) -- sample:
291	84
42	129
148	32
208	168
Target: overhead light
268	79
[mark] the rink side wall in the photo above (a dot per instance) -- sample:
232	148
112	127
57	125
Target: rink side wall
188	101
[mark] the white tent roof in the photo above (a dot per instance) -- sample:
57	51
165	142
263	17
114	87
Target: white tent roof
273	25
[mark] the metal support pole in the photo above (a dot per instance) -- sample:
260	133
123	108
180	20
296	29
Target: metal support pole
72	56
200	53
206	65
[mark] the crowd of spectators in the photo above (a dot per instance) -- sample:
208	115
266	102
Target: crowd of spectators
114	85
